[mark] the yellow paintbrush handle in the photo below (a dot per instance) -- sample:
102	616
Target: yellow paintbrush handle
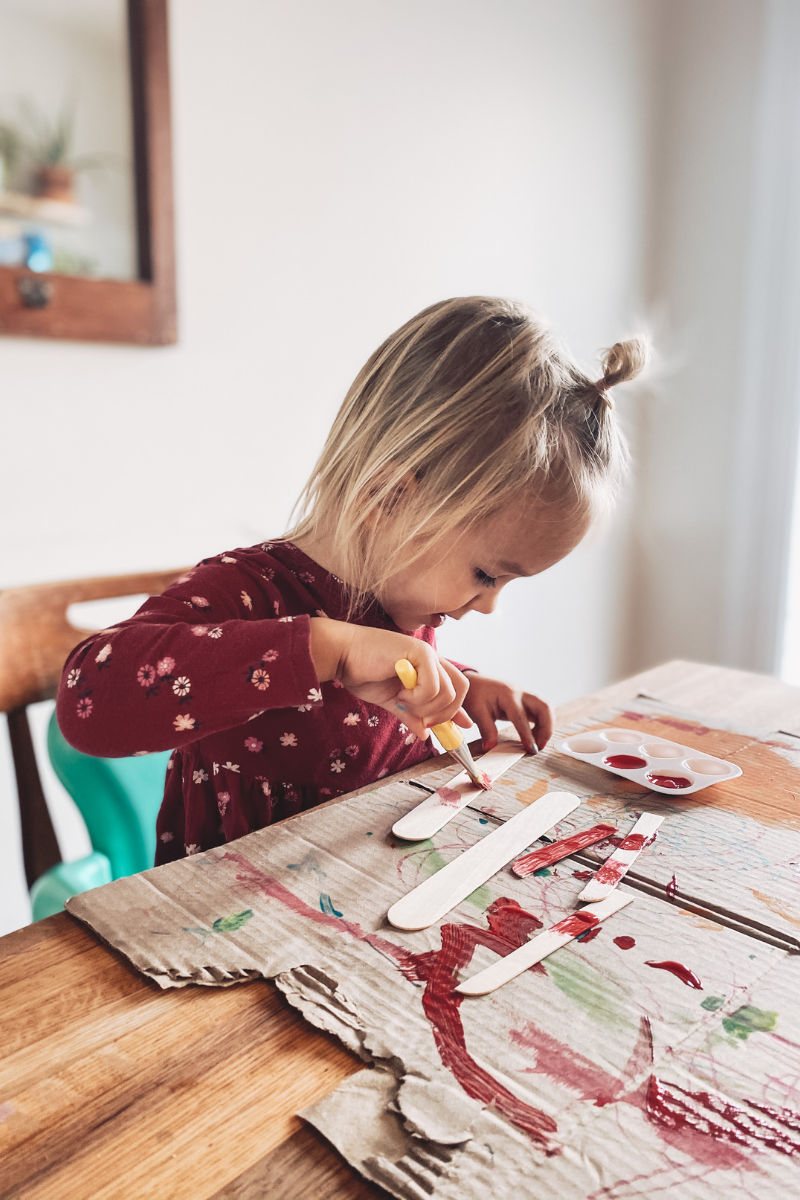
449	735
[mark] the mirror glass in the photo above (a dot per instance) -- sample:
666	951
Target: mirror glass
67	199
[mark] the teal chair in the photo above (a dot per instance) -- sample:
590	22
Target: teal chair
119	799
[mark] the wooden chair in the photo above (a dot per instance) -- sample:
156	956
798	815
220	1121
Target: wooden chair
35	639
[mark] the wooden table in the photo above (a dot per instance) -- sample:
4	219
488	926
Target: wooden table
110	1087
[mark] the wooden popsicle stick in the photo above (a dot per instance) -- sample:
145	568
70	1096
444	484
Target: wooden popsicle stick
616	865
436	810
540	946
454	882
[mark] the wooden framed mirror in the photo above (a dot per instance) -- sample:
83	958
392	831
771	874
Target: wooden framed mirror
86	209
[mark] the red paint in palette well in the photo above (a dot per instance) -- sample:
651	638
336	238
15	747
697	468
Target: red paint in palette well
679	971
561	849
624	762
676	783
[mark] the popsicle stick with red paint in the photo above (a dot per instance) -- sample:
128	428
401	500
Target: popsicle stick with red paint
545	856
436	810
453	883
616	866
540	946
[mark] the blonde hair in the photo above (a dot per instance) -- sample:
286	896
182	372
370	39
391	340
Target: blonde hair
469	404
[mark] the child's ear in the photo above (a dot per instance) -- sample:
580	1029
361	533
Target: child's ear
385	492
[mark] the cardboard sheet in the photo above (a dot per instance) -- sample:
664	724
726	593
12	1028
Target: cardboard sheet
661	1055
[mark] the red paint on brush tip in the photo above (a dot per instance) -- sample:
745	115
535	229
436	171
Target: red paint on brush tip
624	942
561	849
671	888
675	782
624	762
484	781
679	971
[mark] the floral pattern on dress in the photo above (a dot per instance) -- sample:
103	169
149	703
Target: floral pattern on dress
223	800
246	601
194	690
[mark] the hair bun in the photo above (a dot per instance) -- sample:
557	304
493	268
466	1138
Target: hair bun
624	361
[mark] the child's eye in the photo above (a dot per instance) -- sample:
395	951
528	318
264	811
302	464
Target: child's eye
484	579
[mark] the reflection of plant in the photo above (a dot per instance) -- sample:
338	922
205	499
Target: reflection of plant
9	145
32	141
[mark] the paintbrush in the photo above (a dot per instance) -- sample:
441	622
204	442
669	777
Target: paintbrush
449	736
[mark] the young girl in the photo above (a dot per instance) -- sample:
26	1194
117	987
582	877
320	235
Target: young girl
469	451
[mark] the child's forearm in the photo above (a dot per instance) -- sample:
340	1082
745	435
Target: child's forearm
154	684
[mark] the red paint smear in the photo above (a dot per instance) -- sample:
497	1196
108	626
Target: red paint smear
676	782
671	723
677	1109
579	922
624	942
509	927
561	849
584	875
484	781
671	888
611	871
624	762
590	935
569	1067
636	841
450	797
683	973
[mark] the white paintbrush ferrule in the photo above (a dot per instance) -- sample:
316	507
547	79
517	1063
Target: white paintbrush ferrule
616	866
453	883
433	813
539	947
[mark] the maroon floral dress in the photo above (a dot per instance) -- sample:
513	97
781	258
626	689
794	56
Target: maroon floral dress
220	667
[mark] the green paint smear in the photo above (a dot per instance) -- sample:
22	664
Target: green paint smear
749	1020
542	871
481	897
601	1000
712	1003
232	923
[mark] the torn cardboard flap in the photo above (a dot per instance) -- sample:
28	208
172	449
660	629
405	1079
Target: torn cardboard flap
542	1088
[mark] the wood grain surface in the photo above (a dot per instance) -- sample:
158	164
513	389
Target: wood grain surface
111	1088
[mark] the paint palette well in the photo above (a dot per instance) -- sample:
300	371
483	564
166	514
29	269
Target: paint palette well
661	766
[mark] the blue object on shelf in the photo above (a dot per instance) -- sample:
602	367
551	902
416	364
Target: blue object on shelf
38	252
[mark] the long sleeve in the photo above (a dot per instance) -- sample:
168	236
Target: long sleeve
211	653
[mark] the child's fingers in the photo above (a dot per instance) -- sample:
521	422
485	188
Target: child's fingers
541	715
486	728
519	717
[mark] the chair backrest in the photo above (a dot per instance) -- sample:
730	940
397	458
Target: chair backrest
35	639
118	798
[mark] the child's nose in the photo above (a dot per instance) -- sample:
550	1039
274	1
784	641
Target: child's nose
485	603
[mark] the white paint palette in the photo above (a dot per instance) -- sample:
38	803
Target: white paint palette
659	765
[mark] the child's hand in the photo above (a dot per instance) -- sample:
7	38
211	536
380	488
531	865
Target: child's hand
363	659
490	700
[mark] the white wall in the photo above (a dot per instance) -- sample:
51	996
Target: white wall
338	167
